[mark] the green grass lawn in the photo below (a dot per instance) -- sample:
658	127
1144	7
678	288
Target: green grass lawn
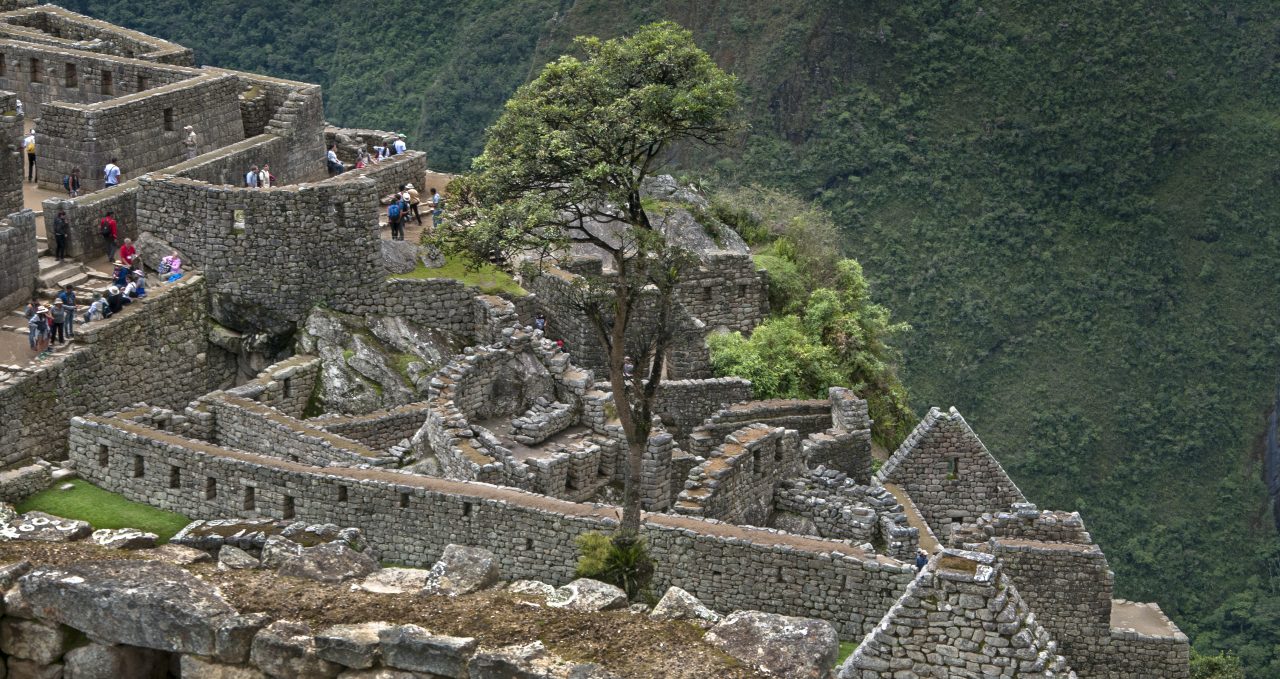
846	649
490	279
102	509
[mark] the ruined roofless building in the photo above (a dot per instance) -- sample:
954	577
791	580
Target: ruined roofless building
427	413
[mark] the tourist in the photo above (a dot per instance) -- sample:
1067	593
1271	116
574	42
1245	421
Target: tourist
111	174
170	264
137	286
115	301
191	143
128	252
437	207
399	146
379	151
251	178
107	228
29	143
17	106
922	559
33	307
265	180
71	183
395	217
628	368
58	314
331	159
60	230
415	203
362	159
68	299
540	323
97	309
38	329
120	274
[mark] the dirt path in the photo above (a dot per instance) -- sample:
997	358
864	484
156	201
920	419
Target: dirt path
1141	618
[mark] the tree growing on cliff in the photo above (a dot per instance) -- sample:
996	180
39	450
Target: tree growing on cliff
564	165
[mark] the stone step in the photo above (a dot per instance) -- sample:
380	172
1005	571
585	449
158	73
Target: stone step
79	278
50	277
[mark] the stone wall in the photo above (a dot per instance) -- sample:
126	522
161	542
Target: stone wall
158	347
299	119
389	175
269	253
1134	655
144	131
437	303
351	140
837	508
90	82
285	386
229	164
18	259
252	427
806	417
381	429
949	474
410	518
13	158
725	291
62	24
19	484
738	480
85	211
685	404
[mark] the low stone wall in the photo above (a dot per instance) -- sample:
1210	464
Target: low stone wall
18	261
86	211
542	422
685	404
229	164
1133	655
389	175
19	484
840	509
738	480
806	417
380	429
51	20
437	303
411	518
159	343
725	291
252	427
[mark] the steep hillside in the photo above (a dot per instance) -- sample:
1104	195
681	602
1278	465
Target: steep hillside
1071	202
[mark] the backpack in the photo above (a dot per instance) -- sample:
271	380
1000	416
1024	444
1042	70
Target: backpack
31	146
66	182
104	229
393	211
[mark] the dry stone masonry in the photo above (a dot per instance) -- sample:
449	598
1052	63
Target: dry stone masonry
275	401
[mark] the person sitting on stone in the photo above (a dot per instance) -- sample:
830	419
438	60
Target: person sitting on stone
72	183
97	309
120	275
922	559
362	159
540	322
115	300
331	159
172	263
628	368
128	252
399	146
137	286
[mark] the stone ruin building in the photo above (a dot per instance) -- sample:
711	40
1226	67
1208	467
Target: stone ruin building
427	413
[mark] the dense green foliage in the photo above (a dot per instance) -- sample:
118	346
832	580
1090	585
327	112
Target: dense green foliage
102	509
625	564
1215	666
1072	203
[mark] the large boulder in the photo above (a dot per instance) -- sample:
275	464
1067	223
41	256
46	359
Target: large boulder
287	649
140	603
529	661
409	647
33	640
195	667
395	580
780	645
354	646
588	596
97	661
231	558
331	562
41	527
123	538
531	588
178	555
678	604
399	256
462	570
277	550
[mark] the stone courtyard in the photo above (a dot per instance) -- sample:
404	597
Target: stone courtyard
431	415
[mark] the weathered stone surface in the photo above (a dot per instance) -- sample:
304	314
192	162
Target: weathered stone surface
354	646
533	588
529	661
588	596
462	570
234	637
399	256
177	554
233	558
97	661
277	550
41	527
30	669
140	603
32	640
395	580
123	538
332	562
409	647
384	673
678	604
287	649
194	667
777	644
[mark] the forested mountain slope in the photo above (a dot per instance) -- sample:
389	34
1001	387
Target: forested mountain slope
1075	204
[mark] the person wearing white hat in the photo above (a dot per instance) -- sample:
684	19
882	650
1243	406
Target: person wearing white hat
415	200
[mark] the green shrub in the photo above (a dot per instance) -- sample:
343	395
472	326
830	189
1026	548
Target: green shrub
617	561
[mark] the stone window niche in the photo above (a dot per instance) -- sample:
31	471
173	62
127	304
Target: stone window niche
36	70
139	466
70	76
953	468
143	82
104	454
175	476
4	65
210	488
250	501
342	494
168	119
238	221
286	507
108	82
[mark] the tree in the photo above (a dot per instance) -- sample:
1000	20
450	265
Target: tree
564	165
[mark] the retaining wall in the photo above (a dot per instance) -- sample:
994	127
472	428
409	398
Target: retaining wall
13	157
18	261
411	518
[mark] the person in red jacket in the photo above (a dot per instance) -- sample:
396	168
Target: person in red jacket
107	228
127	253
